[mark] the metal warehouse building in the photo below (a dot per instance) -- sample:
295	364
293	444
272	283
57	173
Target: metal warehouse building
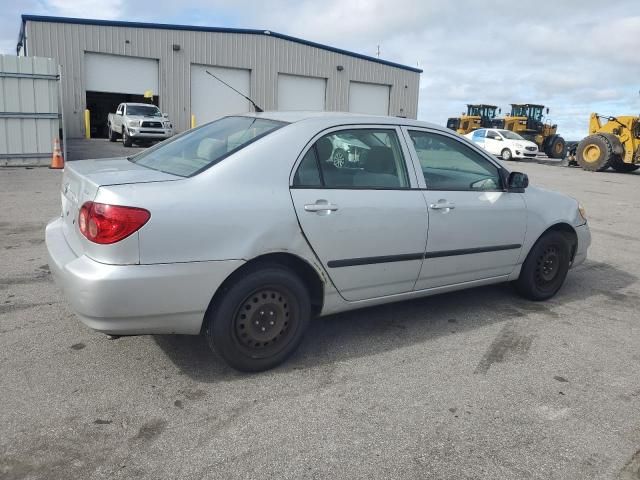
104	63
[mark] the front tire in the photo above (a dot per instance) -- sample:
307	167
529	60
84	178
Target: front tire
126	139
112	135
260	319
594	153
506	154
545	268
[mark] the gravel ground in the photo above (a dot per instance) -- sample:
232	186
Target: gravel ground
468	385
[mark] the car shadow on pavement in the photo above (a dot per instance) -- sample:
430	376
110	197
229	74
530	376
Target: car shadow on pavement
374	330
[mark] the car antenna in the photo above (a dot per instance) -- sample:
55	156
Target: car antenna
256	107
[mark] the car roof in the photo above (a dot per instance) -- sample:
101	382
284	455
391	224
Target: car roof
340	118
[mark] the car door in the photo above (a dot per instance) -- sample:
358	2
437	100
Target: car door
476	227
366	221
478	137
493	142
117	118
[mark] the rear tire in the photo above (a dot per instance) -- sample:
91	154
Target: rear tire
620	166
112	135
545	268
126	139
506	154
557	147
594	153
340	158
260	319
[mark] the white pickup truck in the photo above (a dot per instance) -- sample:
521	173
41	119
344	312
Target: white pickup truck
138	122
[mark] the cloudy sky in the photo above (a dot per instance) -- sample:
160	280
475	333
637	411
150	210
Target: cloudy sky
576	56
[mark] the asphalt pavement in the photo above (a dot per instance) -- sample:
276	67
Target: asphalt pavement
478	384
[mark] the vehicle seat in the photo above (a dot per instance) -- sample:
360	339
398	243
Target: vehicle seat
210	149
379	169
333	176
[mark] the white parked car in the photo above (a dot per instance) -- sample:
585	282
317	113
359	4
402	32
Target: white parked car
242	230
138	122
506	144
348	151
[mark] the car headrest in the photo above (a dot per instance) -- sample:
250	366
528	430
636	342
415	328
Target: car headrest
380	160
325	148
210	149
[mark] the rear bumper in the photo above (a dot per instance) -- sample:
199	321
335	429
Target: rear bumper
584	240
135	299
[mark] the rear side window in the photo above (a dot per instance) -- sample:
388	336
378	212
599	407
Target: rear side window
198	149
308	174
352	159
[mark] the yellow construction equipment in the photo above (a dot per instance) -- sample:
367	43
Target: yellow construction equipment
527	120
614	144
477	116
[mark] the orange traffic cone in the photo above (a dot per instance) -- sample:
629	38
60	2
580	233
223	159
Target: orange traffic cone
57	161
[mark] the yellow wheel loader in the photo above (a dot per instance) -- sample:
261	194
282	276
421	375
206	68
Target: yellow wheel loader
527	120
477	116
614	144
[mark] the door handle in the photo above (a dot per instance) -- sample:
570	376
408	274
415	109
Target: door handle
321	206
442	205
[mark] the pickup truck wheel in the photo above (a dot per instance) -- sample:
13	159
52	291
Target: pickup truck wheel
126	139
545	268
260	319
112	135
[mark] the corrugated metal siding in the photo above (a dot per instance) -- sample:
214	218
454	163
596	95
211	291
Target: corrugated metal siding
29	119
265	56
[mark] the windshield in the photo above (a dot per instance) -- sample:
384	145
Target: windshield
198	149
481	111
143	110
508	134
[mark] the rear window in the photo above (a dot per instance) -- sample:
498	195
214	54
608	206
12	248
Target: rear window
196	150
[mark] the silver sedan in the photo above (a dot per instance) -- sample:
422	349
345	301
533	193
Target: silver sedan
244	229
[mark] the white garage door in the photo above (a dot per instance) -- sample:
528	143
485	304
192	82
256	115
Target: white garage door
120	74
369	98
210	99
301	93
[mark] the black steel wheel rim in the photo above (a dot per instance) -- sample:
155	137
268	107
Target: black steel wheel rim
265	321
548	266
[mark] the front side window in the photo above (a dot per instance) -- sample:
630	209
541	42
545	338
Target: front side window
198	149
493	135
448	164
357	158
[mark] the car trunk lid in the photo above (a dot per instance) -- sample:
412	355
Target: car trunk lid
81	181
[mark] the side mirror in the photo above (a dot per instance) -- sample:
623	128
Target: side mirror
165	115
517	182
547	110
500	139
118	113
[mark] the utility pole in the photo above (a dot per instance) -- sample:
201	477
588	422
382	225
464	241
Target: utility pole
378	53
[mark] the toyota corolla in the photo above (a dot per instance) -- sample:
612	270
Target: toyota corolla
242	230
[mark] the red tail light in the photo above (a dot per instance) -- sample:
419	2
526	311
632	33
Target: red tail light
102	223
